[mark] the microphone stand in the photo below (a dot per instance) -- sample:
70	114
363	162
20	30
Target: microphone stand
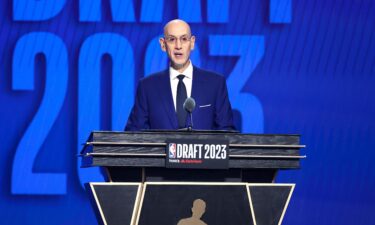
190	127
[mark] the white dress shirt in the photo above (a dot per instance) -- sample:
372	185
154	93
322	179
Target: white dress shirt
188	81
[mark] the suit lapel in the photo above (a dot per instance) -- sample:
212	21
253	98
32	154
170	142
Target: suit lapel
198	85
167	99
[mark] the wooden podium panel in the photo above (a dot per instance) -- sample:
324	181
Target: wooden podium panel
173	203
185	203
270	202
116	203
147	149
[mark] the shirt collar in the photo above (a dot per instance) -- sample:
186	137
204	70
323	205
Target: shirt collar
188	72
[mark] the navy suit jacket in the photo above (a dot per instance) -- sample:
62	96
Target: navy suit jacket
154	108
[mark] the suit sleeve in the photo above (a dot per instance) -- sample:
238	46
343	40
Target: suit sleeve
223	113
139	117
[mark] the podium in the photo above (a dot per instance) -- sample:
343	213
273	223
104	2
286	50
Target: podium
141	190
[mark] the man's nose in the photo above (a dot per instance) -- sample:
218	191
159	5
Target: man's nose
178	44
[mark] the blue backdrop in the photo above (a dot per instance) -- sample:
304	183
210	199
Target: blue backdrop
69	67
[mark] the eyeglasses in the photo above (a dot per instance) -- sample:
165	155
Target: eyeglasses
173	40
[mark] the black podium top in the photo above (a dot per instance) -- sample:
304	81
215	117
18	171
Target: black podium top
147	149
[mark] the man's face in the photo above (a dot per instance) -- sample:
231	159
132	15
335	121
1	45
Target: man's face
178	43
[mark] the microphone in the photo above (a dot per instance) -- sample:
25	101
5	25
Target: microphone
189	106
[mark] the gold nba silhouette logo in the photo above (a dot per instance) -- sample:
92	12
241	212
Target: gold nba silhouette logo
197	211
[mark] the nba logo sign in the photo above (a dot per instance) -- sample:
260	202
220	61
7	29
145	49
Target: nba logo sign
172	150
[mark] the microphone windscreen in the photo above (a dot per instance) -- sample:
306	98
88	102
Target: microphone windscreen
189	105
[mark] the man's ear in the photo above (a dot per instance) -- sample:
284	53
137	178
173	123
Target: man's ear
162	44
192	41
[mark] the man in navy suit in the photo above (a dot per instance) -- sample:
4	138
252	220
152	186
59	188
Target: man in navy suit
160	97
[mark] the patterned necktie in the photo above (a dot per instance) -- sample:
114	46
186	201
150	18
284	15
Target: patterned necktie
180	99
